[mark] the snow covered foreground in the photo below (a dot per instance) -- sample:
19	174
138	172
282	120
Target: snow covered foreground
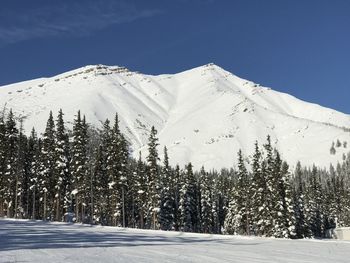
35	241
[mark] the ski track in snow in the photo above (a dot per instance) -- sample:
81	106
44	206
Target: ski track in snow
37	241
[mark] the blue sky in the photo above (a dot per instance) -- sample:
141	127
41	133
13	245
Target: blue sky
301	47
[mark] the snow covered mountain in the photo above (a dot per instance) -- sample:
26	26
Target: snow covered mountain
203	115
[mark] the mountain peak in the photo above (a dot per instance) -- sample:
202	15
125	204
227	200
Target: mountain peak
203	115
98	69
210	65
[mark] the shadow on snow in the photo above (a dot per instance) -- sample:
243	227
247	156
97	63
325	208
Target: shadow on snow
16	235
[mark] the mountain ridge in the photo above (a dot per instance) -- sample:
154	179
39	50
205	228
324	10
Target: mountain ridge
203	115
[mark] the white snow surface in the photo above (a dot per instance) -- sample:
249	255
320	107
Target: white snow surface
37	241
203	115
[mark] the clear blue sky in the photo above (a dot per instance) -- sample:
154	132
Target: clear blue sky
301	47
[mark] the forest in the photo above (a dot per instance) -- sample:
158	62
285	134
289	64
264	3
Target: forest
87	175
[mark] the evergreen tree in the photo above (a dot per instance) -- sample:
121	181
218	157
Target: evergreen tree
342	201
126	181
167	202
153	180
100	190
302	229
62	175
131	208
284	220
79	167
21	189
112	143
141	191
238	217
331	200
207	202
116	148
49	181
188	202
271	195
178	180
259	190
111	180
343	218
315	215
222	187
11	169
27	176
3	183
34	168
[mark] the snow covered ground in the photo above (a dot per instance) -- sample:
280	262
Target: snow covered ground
36	241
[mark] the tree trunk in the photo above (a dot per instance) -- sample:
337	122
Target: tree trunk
58	214
33	212
92	201
8	210
45	206
16	198
82	212
27	205
133	213
1	208
154	219
76	208
141	219
123	200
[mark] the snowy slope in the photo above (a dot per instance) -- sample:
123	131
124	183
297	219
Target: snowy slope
203	115
35	241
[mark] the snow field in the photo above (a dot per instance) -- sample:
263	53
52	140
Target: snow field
37	241
203	115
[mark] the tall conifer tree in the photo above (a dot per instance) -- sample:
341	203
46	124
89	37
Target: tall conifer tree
79	167
153	180
11	168
167	202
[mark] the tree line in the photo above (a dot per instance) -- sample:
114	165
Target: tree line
87	175
271	201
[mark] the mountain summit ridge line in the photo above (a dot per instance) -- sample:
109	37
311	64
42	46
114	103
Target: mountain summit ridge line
203	115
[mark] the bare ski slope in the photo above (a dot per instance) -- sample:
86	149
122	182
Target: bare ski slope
35	241
203	115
